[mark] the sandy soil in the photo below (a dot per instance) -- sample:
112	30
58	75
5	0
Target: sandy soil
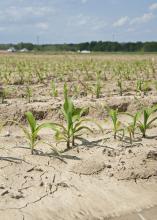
98	179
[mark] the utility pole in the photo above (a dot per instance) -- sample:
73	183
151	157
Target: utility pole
38	38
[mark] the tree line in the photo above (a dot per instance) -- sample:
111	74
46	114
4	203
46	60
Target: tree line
97	46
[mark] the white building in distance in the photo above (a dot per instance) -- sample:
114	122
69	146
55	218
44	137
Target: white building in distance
11	49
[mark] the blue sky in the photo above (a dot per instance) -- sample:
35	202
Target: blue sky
72	21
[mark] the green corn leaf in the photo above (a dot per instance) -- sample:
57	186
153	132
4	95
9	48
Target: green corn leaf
31	120
83	127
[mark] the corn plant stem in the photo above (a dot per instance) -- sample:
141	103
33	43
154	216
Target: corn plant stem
32	151
144	134
115	135
68	143
131	139
73	140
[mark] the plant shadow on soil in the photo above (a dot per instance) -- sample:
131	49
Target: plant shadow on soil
89	144
11	159
56	154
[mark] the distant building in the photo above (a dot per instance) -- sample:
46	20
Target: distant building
24	50
85	51
11	49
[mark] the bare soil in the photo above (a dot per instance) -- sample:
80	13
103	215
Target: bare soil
98	179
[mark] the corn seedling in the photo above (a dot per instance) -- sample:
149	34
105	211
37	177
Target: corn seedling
65	90
54	91
3	95
120	87
29	93
116	123
74	120
131	128
76	90
86	88
139	84
146	123
32	132
39	74
98	88
98	85
134	122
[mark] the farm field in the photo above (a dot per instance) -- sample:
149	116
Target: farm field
95	153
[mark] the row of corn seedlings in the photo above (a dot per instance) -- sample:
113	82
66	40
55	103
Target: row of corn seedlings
21	69
140	121
75	123
81	89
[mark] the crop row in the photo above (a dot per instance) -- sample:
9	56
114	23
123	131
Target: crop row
32	69
75	123
80	89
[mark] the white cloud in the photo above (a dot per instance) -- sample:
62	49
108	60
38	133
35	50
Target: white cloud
2	28
17	13
98	24
84	1
82	20
153	6
121	22
143	19
88	22
136	20
80	1
42	25
130	29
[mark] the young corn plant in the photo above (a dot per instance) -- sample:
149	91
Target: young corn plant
147	122
65	91
139	85
134	123
3	95
120	87
98	89
86	88
98	85
29	94
116	123
76	91
39	73
130	130
74	123
131	127
54	91
32	132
